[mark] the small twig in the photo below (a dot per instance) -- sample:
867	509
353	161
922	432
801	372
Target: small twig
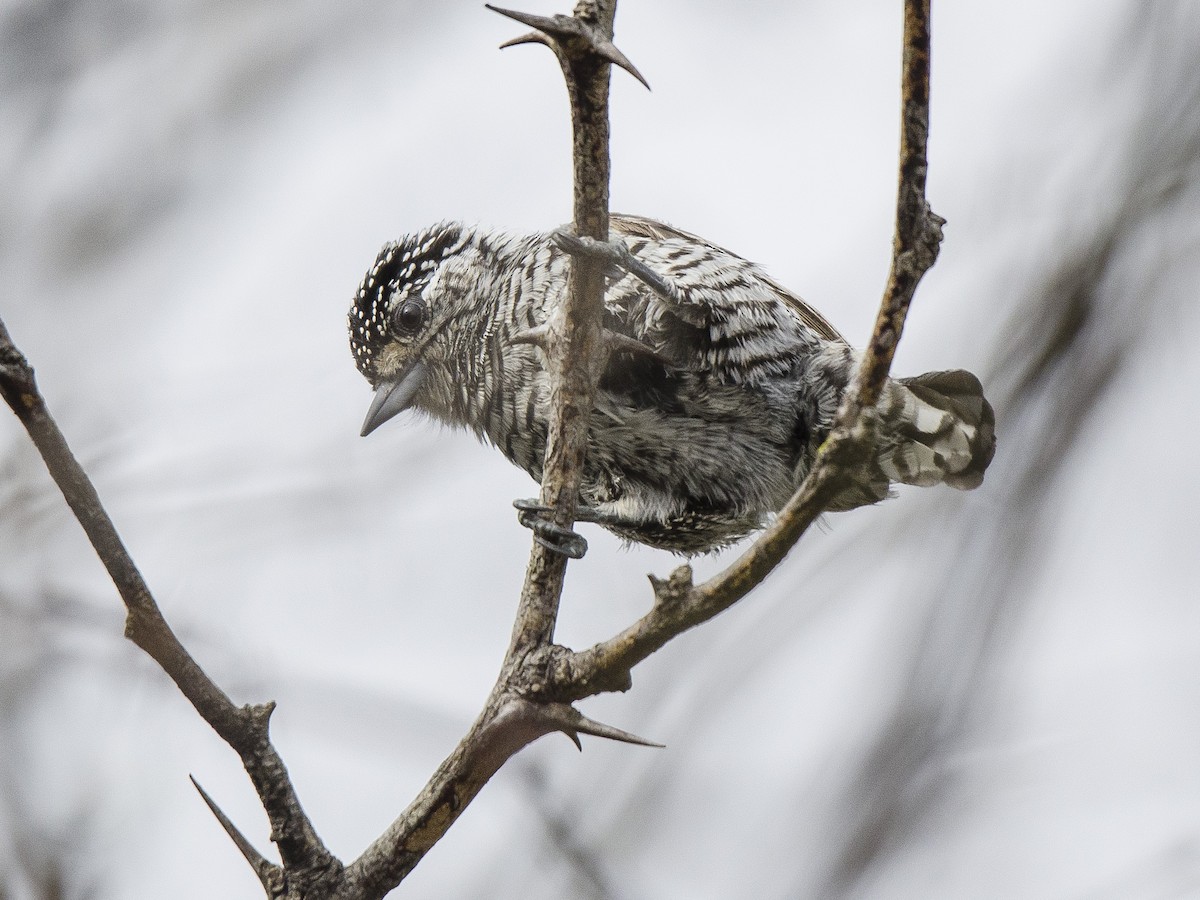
918	228
244	728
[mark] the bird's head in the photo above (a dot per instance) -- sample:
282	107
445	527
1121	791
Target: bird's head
399	315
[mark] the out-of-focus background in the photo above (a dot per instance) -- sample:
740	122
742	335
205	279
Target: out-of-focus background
989	695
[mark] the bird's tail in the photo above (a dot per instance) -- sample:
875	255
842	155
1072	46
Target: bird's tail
936	428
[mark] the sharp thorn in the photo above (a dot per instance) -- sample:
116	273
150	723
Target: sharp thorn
609	51
262	867
534	37
599	729
567	27
541	23
573	723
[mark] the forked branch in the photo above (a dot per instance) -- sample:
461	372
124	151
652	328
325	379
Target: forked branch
538	680
519	710
680	605
244	728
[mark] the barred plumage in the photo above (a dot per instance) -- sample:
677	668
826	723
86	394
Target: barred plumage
694	441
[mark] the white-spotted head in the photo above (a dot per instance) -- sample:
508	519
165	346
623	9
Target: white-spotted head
395	317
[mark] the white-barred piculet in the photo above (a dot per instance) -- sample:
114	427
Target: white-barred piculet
717	392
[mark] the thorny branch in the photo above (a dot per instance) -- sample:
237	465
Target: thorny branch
517	711
244	728
680	605
538	680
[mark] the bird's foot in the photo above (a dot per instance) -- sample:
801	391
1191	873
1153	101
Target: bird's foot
615	254
537	518
614	342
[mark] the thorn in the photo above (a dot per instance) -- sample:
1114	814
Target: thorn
609	51
541	23
532	38
563	29
573	723
520	721
263	867
681	578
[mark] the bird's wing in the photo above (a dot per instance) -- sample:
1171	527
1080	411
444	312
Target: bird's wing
651	229
713	312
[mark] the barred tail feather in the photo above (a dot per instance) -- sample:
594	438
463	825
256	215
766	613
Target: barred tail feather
937	428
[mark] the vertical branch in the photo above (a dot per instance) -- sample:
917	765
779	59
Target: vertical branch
512	718
918	228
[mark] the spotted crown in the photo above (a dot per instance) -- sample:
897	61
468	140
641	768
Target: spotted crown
401	268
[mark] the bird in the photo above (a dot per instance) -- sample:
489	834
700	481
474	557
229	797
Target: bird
718	389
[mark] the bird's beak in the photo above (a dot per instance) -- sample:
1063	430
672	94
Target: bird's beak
393	397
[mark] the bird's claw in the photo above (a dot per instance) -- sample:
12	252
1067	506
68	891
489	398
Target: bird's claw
614	341
535	516
616	254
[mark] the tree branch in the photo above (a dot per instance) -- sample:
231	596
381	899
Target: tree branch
538	680
244	728
516	712
572	339
680	605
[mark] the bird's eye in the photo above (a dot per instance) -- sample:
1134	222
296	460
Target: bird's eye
409	316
